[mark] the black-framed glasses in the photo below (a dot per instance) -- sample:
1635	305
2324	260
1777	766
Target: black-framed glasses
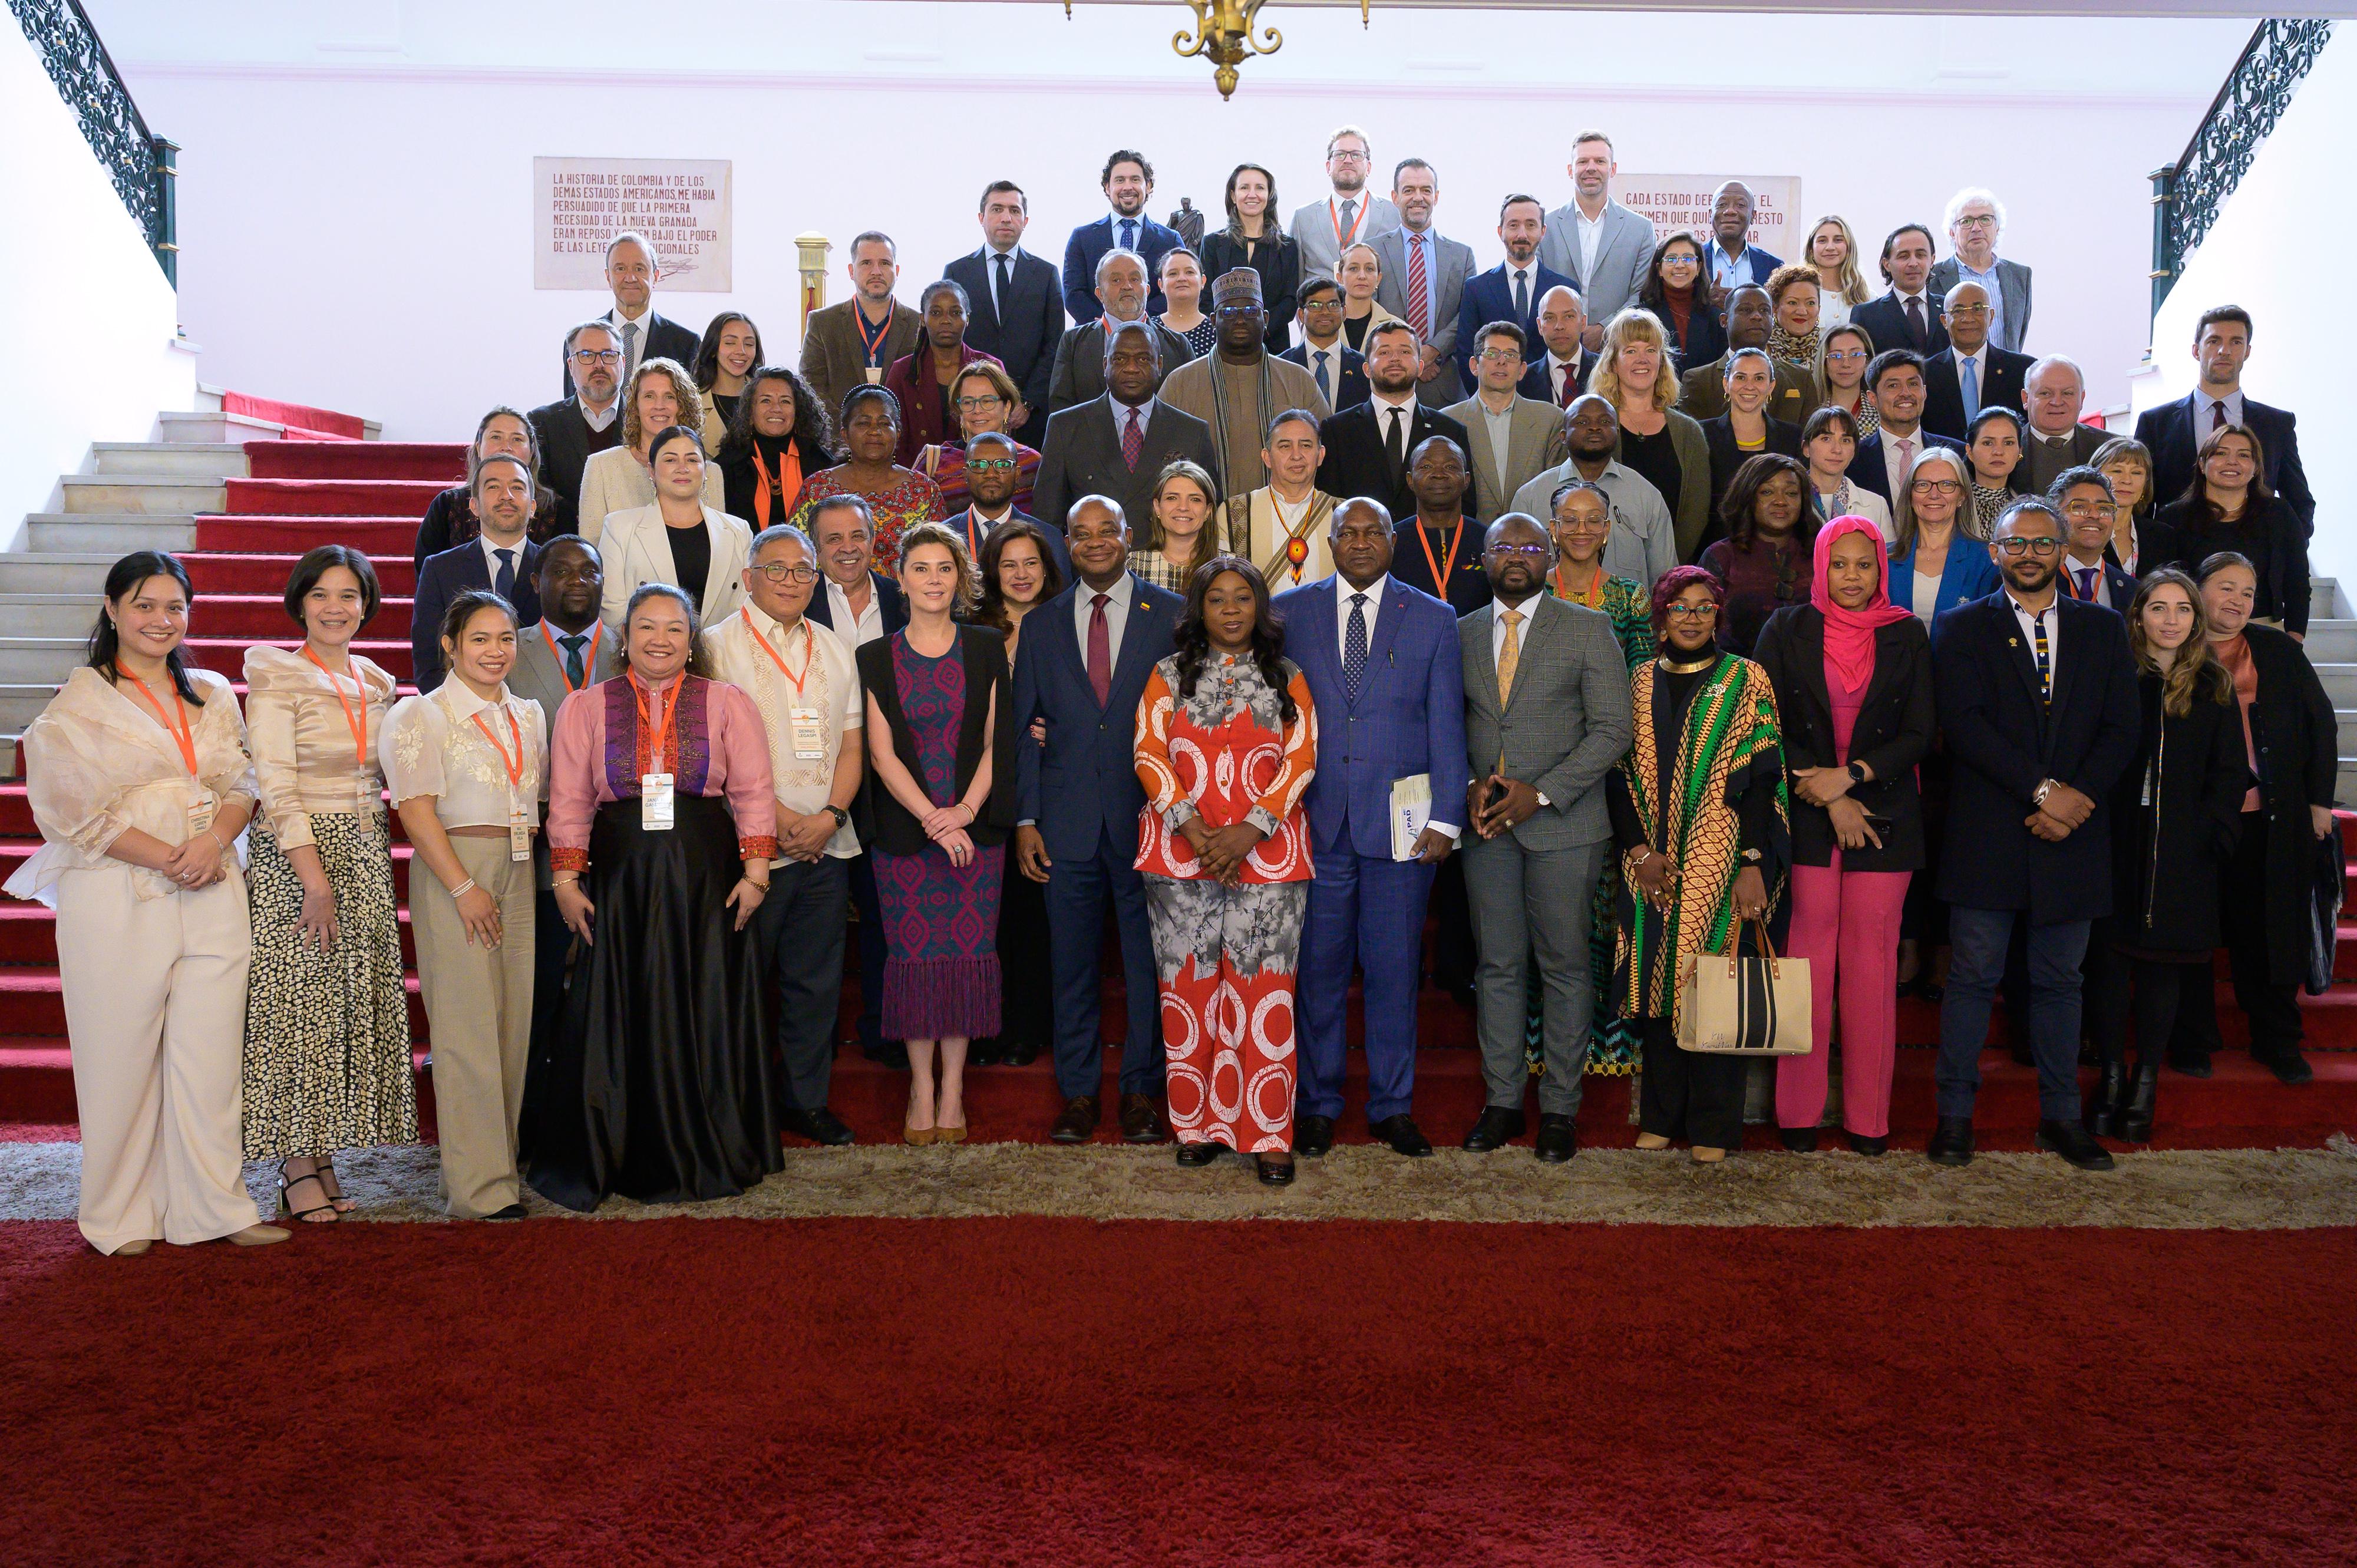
596	355
2020	547
1691	612
779	572
990	464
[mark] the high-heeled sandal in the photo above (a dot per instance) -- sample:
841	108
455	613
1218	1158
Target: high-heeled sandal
918	1136
286	1207
333	1186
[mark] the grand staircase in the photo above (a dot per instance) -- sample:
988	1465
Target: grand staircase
240	489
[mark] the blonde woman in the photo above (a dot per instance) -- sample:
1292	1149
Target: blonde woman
661	395
1833	255
1180	535
1361	272
1633	373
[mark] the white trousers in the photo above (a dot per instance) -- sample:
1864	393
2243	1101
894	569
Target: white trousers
154	992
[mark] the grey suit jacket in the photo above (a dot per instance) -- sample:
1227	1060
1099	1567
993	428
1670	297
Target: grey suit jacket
1567	720
1080	362
833	360
540	675
1453	269
1622	253
2013	289
1313	226
1534	442
1081	456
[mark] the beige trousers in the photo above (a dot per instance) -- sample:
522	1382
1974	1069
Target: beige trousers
478	1017
154	991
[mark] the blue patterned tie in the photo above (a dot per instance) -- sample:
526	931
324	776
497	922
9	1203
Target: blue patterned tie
1354	646
575	671
505	583
1129	233
1972	370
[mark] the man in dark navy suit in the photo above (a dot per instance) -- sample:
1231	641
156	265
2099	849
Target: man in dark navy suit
1512	290
1368	448
2174	432
2037	700
1386	678
1339	370
1905	315
1894	379
1971	373
1086	655
1128	180
990	480
1018	303
500	559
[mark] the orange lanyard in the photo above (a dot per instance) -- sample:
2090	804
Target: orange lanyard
588	657
355	723
1343	241
1593	598
1440	578
660	748
514	764
810	651
182	732
786	494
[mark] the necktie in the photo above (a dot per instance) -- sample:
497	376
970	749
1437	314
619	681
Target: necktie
2086	575
1350	220
504	583
576	672
1523	298
1566	386
2045	659
1324	385
1133	443
1354	645
1397	442
1972	378
1906	462
1420	292
629	348
1915	321
1101	651
1129	233
1510	655
2217	415
1005	285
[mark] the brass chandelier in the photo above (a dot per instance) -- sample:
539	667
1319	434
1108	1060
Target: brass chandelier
1223	35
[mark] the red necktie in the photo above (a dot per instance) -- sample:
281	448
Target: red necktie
1133	448
2217	415
1419	294
1101	651
1568	387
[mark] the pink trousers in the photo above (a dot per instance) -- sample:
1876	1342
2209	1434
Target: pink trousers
1846	923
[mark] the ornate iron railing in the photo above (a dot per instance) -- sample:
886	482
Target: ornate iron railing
2187	194
138	161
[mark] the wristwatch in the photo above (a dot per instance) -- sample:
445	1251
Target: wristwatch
842	818
2045	787
1857	773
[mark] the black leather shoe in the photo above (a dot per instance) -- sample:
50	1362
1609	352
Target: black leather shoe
2287	1064
2191	1064
1952	1141
2110	1098
1558	1138
1872	1148
985	1052
1023	1053
1799	1140
2134	1120
1495	1126
512	1211
1194	1156
1313	1136
2074	1144
819	1126
1273	1172
1403	1134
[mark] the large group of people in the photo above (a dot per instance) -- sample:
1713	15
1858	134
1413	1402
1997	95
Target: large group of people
1311	607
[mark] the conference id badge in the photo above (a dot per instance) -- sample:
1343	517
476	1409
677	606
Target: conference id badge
655	804
520	826
875	375
202	814
809	729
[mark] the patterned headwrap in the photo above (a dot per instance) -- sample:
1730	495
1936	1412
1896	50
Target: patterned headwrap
1677	581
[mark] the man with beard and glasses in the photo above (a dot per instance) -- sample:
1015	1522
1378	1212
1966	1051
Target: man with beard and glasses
632	269
1644	536
574	429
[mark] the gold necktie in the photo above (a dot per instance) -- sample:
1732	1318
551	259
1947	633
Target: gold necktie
1510	656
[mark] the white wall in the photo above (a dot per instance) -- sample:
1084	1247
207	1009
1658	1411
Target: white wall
91	319
2260	255
355	193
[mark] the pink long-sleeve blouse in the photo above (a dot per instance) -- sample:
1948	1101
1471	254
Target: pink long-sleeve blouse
601	750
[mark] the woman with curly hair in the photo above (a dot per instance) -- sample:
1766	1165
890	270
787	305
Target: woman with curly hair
1796	315
1764	562
661	395
898	497
1699	814
1226	747
1633	373
777	439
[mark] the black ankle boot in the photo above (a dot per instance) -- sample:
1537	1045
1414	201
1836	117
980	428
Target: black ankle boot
2136	1116
2111	1098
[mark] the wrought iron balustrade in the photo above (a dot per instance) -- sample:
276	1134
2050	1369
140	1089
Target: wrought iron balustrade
138	161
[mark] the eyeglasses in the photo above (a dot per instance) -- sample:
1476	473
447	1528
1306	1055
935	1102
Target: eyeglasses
2019	547
1845	356
1585	525
596	355
1977	220
779	572
1534	552
1680	261
1344	156
2079	510
1935	486
1691	612
1968	310
1500	356
990	464
980	404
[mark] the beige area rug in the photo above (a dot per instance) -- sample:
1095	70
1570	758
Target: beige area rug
2238	1189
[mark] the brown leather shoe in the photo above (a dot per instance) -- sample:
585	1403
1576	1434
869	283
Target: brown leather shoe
1078	1124
1141	1121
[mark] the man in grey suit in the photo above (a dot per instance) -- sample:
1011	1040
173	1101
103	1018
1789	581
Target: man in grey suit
1546	715
1513	436
1599	245
1117	445
1349	216
1975	218
1424	279
1079	375
2053	393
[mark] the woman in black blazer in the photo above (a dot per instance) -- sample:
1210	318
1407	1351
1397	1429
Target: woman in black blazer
1853	679
1745	430
2229	507
941	739
1253	239
2174	820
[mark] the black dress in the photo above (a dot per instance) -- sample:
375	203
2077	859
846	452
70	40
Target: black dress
1656	457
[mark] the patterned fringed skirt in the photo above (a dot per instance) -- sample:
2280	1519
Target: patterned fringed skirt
940	943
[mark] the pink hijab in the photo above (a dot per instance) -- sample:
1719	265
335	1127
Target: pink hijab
1849	634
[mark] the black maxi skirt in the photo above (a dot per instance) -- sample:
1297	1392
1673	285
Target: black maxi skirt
659	1087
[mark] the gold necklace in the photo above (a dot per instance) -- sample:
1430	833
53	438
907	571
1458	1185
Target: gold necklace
1672	667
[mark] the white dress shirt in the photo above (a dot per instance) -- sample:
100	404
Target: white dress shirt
2029	624
1562	372
1522	279
1139	219
633	353
1117	602
598	420
2205	410
1591	236
867	625
989	257
2102	589
1979	358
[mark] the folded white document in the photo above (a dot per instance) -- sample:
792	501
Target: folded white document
1410	809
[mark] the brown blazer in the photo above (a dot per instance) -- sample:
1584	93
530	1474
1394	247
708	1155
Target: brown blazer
833	361
1702	392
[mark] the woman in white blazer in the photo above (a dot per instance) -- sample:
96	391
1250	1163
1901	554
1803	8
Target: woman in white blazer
681	539
661	395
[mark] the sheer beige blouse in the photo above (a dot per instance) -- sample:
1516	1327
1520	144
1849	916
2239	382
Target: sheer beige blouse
432	747
304	756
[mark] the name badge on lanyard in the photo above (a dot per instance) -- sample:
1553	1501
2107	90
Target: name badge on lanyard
809	727
656	809
200	815
520	826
